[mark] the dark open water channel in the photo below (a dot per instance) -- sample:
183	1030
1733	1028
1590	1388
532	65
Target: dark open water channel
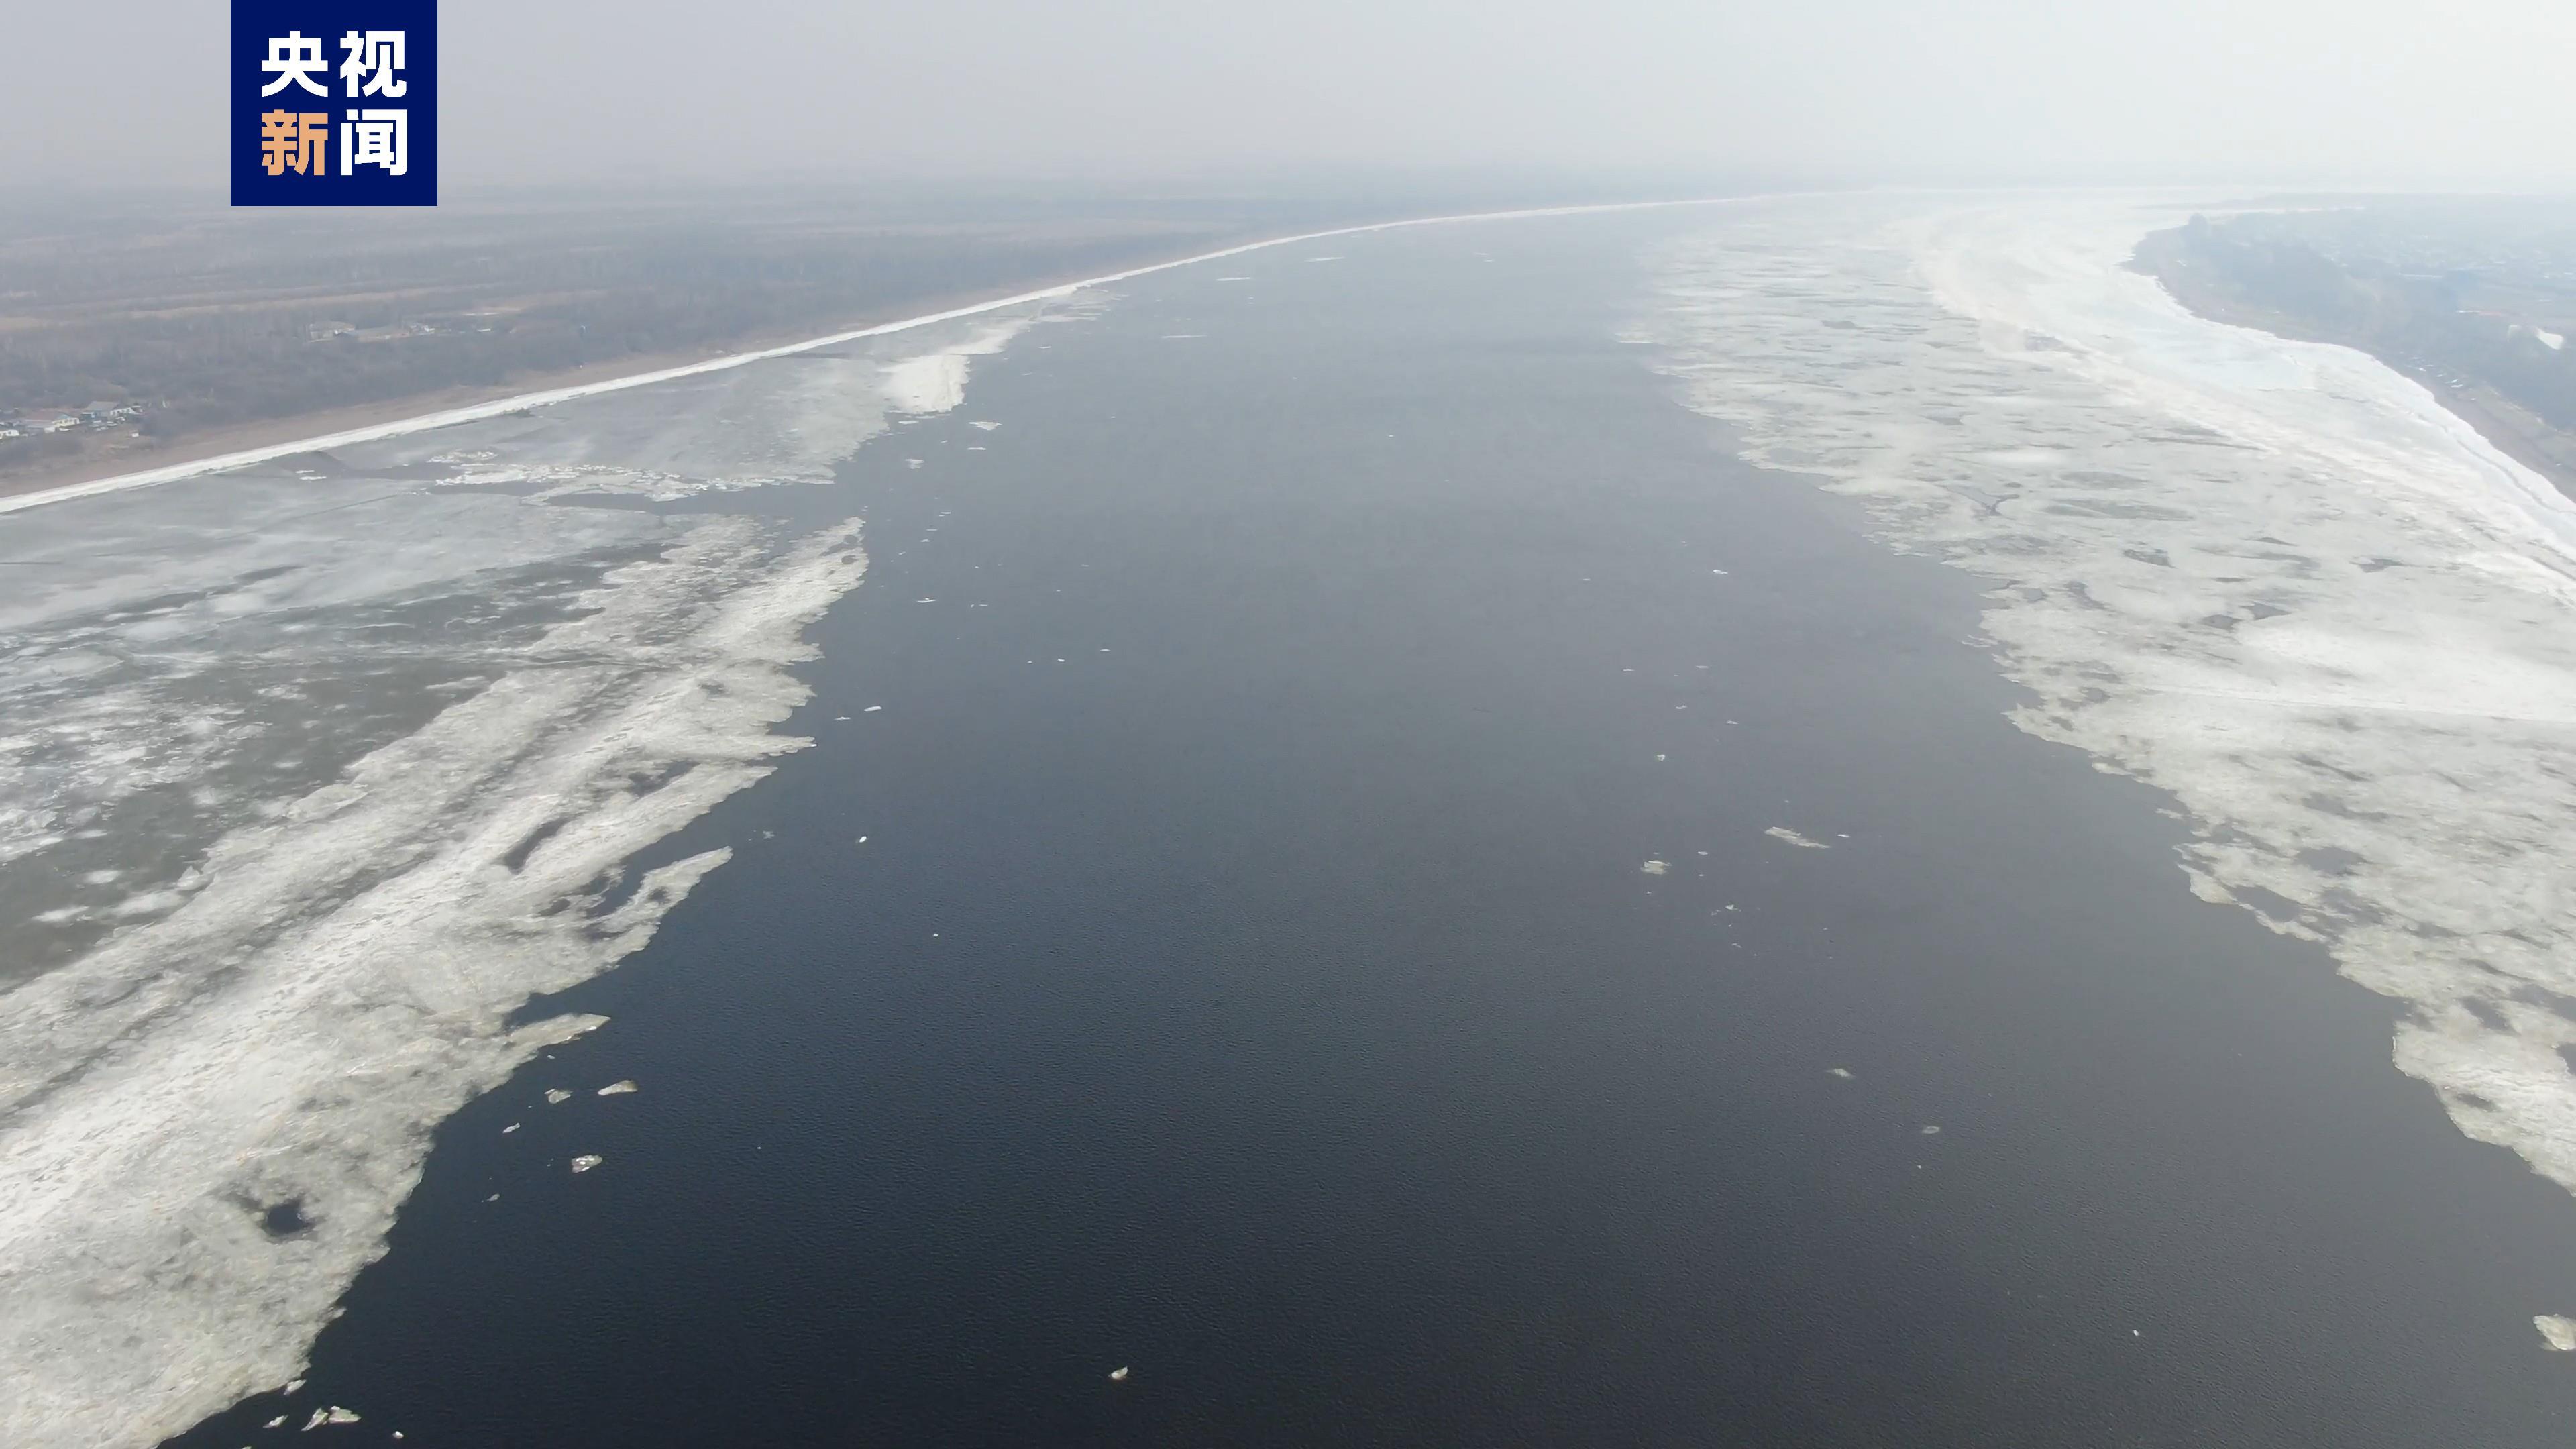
1250	976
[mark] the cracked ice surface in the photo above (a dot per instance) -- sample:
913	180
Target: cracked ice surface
311	774
2273	578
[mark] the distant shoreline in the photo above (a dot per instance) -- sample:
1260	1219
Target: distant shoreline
274	432
2547	451
395	419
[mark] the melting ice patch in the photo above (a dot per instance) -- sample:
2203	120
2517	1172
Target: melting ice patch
2272	578
340	979
779	420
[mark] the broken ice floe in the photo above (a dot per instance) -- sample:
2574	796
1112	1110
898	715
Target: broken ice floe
1656	867
587	1161
342	973
2273	578
557	1096
2556	1330
618	1089
1784	833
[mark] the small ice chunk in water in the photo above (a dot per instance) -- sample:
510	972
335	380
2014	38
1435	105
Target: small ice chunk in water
987	427
513	1127
1656	867
340	1415
320	1416
1118	1375
617	1089
872	709
586	1162
1931	1131
557	1094
2557	1330
1783	832
277	1423
1842	1072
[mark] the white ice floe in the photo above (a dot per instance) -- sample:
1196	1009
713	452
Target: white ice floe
1656	867
776	421
934	382
2556	1330
2273	578
1118	1375
341	977
1786	835
557	1096
587	1161
618	1089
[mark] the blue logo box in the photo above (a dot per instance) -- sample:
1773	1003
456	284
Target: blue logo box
334	102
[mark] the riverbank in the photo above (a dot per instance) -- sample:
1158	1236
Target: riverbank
2512	429
266	433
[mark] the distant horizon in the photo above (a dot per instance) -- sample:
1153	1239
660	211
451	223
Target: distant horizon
2371	94
1304	183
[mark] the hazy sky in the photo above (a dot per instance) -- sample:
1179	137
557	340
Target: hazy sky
2399	92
